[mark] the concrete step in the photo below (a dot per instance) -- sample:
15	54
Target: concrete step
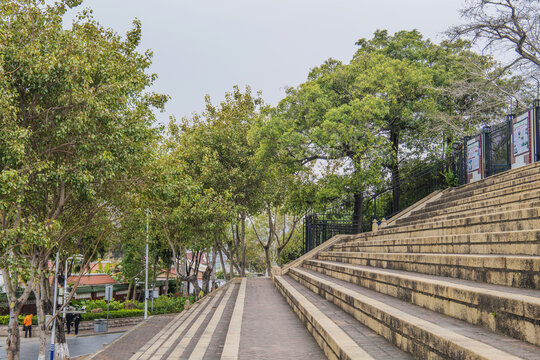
521	219
517	242
510	311
507	270
468	191
518	201
445	202
337	333
510	175
424	333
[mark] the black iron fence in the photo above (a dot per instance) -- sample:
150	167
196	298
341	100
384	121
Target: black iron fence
410	187
512	143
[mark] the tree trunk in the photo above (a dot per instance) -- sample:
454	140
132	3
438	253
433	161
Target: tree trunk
43	307
268	262
394	138
134	298
61	348
358	213
129	290
223	265
206	279
243	241
13	340
167	280
41	323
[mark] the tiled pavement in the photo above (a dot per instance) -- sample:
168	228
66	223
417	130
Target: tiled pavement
270	330
267	327
223	326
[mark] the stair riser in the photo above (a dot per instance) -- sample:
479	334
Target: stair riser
525	274
496	227
513	318
408	221
528	237
406	336
517	217
509	249
326	343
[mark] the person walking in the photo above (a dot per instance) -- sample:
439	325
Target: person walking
69	321
27	323
76	320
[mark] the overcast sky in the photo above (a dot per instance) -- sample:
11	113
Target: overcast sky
208	46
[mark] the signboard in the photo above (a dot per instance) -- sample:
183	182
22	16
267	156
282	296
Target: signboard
473	156
109	292
521	136
152	294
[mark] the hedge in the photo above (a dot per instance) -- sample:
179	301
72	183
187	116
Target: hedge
114	314
4	320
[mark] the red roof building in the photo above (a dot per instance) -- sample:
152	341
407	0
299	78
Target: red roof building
92	279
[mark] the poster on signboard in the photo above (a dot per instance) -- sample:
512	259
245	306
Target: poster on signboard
521	137
473	156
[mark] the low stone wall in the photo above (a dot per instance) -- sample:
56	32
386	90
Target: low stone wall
84	325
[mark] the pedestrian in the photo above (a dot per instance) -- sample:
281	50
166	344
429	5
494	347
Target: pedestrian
76	320
27	323
69	321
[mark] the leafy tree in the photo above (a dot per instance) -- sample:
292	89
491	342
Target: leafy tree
79	121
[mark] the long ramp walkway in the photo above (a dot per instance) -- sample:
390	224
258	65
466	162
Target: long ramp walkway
248	319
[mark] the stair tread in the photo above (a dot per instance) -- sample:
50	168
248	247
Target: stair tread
455	330
374	344
528	295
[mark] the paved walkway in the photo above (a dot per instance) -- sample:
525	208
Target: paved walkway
78	345
245	320
270	329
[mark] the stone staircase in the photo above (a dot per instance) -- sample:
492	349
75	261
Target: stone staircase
457	277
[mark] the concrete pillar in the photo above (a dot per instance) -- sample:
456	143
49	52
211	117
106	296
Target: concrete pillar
374	226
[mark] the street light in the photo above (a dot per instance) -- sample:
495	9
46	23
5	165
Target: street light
75	257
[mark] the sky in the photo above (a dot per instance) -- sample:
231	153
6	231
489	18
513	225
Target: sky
207	46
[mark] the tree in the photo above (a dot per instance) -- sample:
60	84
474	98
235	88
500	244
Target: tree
220	159
503	24
76	103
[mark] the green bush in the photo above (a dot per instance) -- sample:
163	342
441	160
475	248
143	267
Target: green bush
162	305
4	320
115	314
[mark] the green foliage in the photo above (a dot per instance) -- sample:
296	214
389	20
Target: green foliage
4	320
114	314
450	178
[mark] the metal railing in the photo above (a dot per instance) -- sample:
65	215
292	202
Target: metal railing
411	187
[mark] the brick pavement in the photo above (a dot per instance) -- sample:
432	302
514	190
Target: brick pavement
270	330
124	347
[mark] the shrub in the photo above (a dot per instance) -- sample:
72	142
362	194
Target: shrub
115	314
4	320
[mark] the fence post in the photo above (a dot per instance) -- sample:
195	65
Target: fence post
536	108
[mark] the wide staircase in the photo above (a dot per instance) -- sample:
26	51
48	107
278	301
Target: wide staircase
457	277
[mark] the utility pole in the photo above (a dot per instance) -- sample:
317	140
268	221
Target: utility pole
146	273
54	306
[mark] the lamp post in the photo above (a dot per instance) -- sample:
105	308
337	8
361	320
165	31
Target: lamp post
78	257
